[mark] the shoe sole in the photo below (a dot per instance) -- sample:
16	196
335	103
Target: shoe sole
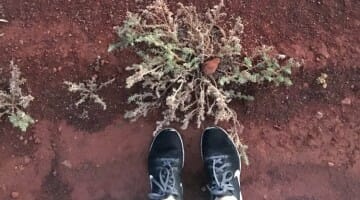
181	140
201	142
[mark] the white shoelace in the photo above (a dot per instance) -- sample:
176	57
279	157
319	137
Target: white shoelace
223	186
165	182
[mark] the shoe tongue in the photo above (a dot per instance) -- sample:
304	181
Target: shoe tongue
226	198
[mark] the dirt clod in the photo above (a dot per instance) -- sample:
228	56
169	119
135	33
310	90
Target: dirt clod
210	66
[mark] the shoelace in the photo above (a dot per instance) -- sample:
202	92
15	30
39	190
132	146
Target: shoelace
223	186
166	182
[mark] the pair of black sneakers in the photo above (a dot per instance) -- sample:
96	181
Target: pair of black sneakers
220	157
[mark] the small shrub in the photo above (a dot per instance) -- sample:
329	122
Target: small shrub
88	90
13	101
192	67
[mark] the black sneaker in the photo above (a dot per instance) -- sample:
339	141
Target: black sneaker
222	163
166	160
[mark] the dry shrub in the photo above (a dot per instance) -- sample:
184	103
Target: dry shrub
192	67
88	90
13	101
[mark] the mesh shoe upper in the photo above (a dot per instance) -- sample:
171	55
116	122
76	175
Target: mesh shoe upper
222	163
165	162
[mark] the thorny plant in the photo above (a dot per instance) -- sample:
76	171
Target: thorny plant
88	90
13	101
192	67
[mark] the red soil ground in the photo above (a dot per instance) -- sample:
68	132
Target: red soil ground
295	153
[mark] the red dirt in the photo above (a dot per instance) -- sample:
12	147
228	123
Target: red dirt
294	154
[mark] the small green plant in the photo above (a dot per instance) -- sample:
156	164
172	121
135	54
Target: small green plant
88	90
13	102
192	67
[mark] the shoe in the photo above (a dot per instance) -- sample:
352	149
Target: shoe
165	162
222	163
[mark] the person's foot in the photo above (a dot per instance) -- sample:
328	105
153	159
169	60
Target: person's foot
222	163
165	162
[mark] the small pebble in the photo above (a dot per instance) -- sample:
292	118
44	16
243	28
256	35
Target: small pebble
27	159
306	85
281	56
67	164
37	140
277	127
319	115
331	164
15	195
346	101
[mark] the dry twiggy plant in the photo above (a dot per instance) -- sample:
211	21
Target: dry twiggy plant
88	90
13	101
192	67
